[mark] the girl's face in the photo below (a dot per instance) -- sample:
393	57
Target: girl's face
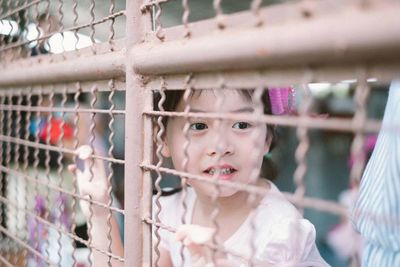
226	149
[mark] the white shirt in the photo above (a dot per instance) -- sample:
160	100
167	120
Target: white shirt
282	236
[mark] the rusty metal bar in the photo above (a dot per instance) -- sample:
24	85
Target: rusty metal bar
60	230
75	28
57	188
5	261
61	109
334	124
104	19
383	72
54	148
149	4
23	244
212	246
316	203
137	24
373	35
71	87
104	66
20	8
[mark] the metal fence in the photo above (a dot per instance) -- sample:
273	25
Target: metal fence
65	77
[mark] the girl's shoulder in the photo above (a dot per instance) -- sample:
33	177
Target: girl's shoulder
276	205
168	205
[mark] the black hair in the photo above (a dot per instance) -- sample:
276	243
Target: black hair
173	97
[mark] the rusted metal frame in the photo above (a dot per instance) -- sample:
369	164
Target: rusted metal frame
16	10
60	169
334	124
105	66
186	143
157	184
147	187
360	117
60	230
151	3
101	48
92	137
2	177
5	261
77	104
323	205
23	244
46	195
211	246
62	109
54	148
303	145
383	72
112	21
93	47
258	142
75	28
58	189
95	22
220	99
110	167
71	87
137	245
7	150
373	35
277	14
26	162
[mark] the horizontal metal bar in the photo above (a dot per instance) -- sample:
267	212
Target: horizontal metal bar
75	28
54	148
222	249
323	205
59	109
24	244
59	189
150	3
337	124
59	229
373	35
248	79
67	88
104	19
3	260
95	67
16	10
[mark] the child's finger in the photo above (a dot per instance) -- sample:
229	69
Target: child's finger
90	165
72	168
196	233
84	154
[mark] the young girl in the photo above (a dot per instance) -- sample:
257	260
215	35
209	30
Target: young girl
227	150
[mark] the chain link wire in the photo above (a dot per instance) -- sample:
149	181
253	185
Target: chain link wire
23	112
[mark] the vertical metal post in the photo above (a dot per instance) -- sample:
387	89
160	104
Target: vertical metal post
136	25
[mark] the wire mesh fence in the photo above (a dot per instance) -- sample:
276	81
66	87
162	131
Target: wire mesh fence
186	95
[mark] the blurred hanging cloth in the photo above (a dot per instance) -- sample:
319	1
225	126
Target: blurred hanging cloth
376	213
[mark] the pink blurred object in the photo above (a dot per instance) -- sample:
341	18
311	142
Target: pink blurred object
369	144
282	100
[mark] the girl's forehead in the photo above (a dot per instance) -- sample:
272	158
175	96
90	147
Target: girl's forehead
216	100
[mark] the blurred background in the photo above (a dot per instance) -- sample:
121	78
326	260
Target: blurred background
329	159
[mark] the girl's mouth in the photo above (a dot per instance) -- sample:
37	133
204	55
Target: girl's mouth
224	172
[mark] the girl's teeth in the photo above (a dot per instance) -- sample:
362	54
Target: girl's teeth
220	171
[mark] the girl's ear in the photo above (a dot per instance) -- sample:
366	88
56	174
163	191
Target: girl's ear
165	150
267	145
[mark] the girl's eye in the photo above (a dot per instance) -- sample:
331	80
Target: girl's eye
198	126
241	125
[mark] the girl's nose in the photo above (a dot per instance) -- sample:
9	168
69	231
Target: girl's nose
220	148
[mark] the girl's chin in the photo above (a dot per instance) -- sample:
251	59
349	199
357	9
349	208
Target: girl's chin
212	191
